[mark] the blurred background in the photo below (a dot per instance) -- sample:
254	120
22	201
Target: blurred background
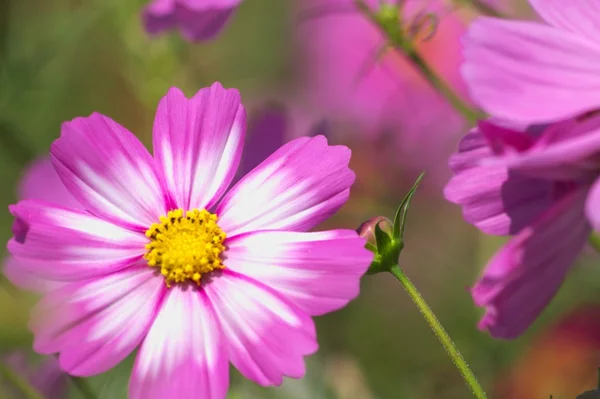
60	59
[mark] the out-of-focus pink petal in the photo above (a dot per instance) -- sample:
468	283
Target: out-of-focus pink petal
64	244
19	275
530	73
184	354
494	199
522	278
46	376
267	132
108	170
199	143
319	272
96	323
41	182
577	16
267	335
297	187
196	20
592	206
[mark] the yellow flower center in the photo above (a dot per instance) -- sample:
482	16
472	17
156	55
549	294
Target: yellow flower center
185	247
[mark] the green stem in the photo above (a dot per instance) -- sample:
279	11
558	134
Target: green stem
459	105
20	383
397	40
594	241
83	387
440	333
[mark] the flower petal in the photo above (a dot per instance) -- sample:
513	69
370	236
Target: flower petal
196	20
96	323
64	244
494	199
319	272
521	279
41	182
267	335
108	170
297	187
266	134
592	206
184	355
564	151
18	274
577	16
530	73
199	143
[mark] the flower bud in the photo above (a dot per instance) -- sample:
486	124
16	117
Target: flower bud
367	229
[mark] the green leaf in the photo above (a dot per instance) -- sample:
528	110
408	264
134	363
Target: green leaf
400	218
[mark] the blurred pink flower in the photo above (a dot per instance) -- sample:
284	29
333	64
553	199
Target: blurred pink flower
540	186
147	264
47	377
390	100
272	125
196	19
531	72
391	94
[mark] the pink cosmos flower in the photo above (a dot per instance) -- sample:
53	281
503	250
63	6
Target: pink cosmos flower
540	186
196	19
532	72
146	262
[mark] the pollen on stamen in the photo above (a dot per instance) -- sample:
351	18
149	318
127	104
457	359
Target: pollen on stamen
185	247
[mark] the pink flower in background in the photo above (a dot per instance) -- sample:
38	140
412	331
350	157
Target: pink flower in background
40	182
390	96
149	264
540	186
531	72
47	377
196	19
271	127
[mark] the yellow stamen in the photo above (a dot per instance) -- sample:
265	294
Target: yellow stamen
185	247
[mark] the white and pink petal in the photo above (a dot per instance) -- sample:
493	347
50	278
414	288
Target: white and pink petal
296	188
319	272
109	172
97	323
198	143
184	355
63	244
267	335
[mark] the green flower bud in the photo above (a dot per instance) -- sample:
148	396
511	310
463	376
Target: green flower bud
386	238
